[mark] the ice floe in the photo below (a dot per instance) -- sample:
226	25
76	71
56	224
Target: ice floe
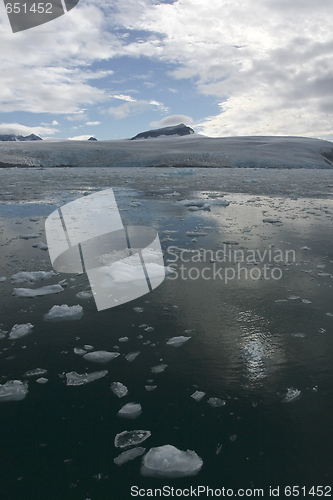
169	462
291	395
26	276
64	312
119	389
130	410
198	395
84	294
178	341
131	356
101	356
35	373
41	246
36	292
130	438
19	331
13	390
129	455
123	339
74	378
159	368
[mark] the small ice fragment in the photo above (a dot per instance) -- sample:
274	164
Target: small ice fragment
291	395
195	233
13	390
192	203
168	461
24	276
88	347
85	294
3	334
233	437
294	297
178	341
143	326
218	449
42	380
149	329
329	314
37	292
130	410
74	378
36	372
130	438
281	300
305	301
272	221
198	395
101	356
123	339
41	246
216	402
150	387
119	389
29	236
305	248
2	279
298	335
64	312
131	356
138	309
323	275
19	331
79	351
158	368
129	455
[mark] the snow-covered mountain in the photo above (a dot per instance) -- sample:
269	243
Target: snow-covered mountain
13	137
188	151
177	130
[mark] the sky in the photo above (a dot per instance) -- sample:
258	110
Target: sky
114	68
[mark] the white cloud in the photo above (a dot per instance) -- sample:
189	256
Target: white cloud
134	107
168	121
55	122
93	123
123	97
18	129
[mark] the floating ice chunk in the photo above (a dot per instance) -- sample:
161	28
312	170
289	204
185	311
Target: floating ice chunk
323	275
36	372
121	272
19	331
178	341
298	335
272	221
291	395
198	395
79	351
119	389
138	309
233	437
64	312
36	292
294	297
85	294
168	461
305	301
88	347
24	276
123	339
192	203
29	236
42	380
195	233
2	279
41	246
13	390
150	387
74	378
101	356
131	356
216	402
3	334
305	248
281	300
130	410
329	314
129	455
158	368
130	438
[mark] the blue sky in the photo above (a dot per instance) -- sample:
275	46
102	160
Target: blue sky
114	68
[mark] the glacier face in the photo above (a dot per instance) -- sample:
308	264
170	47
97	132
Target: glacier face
188	151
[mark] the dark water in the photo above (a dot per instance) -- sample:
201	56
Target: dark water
58	442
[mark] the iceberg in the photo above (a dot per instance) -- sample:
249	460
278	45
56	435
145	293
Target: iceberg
13	390
64	312
19	331
119	389
130	438
24	276
36	292
101	356
129	455
74	378
169	462
130	410
178	341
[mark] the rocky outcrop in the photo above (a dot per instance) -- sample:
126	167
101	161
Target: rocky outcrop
13	137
